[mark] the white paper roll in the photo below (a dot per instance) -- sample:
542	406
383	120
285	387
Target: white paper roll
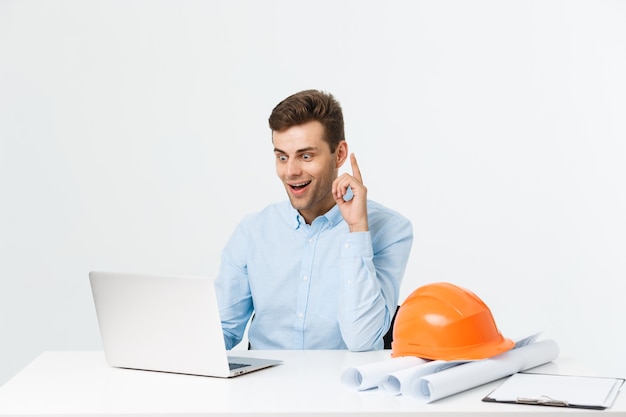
400	381
369	375
435	386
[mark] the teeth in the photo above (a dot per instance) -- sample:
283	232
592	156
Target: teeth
302	184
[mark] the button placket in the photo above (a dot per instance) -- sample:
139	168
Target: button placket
303	288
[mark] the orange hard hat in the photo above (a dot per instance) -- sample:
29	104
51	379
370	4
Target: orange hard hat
446	322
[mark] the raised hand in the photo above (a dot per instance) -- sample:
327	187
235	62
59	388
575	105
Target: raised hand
354	210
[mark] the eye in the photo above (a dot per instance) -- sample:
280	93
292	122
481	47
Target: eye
307	156
281	158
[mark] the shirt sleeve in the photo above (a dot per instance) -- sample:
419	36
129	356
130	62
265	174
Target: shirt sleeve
372	269
233	290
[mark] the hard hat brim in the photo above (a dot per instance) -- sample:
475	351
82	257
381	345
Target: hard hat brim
469	353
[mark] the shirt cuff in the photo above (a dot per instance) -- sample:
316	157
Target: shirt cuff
357	245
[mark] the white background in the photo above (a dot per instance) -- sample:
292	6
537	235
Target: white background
133	137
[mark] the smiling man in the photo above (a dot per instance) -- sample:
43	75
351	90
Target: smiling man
323	269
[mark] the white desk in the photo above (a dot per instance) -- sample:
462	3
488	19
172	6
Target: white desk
73	383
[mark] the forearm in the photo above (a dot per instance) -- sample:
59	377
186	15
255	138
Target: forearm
369	291
233	293
235	310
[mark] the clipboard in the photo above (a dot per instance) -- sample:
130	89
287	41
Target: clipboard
594	393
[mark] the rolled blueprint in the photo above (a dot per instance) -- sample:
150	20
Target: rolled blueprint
369	375
396	382
451	381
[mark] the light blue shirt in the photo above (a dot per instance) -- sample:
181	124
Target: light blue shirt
312	286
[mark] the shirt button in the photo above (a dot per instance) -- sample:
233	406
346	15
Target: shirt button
348	245
305	278
300	315
311	240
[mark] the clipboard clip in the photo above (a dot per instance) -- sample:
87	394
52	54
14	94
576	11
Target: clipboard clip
543	400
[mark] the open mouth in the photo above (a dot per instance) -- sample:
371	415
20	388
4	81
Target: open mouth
299	186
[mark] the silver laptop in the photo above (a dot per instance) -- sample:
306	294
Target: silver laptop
164	323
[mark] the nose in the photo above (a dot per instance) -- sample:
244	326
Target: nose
293	168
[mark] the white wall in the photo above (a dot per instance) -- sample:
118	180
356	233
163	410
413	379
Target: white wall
133	136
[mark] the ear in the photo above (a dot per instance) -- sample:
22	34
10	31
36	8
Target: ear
341	153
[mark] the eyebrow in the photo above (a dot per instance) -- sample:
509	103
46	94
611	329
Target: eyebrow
307	149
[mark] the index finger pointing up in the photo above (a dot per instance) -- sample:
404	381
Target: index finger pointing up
356	172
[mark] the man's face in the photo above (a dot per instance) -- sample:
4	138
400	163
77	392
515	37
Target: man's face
307	168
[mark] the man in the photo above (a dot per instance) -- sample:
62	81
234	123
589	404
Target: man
322	270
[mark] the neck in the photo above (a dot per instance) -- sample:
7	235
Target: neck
321	209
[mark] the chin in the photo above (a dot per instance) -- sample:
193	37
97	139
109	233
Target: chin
296	205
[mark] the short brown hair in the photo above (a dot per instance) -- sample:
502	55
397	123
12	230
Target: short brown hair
306	106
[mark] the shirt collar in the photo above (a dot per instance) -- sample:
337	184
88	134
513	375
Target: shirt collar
333	216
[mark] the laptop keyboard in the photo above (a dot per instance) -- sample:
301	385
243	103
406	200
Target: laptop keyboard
233	365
